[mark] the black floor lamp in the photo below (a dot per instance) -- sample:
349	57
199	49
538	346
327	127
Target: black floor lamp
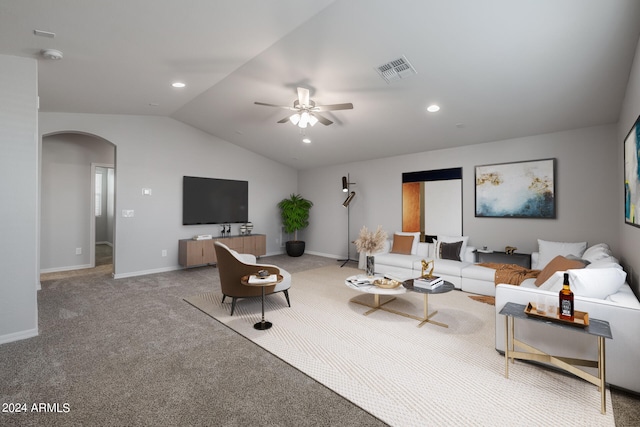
345	188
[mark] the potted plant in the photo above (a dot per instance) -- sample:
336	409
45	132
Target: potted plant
295	216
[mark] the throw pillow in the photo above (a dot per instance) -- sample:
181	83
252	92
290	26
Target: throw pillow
597	252
450	250
454	239
549	250
416	239
402	244
596	282
559	263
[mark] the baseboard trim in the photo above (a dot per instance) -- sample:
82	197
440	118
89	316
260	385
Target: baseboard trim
17	336
69	268
145	272
324	255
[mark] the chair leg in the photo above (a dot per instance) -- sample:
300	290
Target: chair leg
286	295
233	304
223	297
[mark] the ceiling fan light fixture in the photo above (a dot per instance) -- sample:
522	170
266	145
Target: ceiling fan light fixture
312	120
304	119
295	118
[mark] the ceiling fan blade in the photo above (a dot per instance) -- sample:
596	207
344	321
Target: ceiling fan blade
273	105
322	119
285	120
303	96
333	107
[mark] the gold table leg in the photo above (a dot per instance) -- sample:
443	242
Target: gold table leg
427	317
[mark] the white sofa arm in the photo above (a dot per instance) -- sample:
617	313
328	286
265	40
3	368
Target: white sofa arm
470	254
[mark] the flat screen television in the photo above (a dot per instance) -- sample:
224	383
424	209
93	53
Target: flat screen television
214	201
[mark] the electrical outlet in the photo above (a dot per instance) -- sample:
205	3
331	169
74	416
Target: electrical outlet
164	252
78	251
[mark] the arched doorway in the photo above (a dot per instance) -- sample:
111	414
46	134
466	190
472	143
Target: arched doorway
68	197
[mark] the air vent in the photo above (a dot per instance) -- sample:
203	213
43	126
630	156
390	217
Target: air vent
395	70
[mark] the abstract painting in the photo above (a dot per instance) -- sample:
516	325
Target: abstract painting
516	190
632	175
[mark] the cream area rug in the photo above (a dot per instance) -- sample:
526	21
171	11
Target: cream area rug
402	374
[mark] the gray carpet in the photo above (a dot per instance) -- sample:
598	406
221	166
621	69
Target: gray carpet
132	352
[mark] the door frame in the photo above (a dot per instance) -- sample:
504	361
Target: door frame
92	207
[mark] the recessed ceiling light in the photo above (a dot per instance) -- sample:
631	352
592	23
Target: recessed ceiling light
433	108
306	140
178	84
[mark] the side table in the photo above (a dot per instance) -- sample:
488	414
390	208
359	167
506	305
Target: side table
598	328
262	325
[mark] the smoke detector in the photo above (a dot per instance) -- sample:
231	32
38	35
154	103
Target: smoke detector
52	54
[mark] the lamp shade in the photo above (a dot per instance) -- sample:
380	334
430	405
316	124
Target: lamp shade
349	198
345	184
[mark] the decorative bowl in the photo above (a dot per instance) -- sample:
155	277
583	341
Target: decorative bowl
386	283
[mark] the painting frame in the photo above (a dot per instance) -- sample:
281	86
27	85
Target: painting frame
522	189
631	178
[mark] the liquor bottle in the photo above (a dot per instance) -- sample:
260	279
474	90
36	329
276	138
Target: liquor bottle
565	303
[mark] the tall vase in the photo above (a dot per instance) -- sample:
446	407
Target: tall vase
370	265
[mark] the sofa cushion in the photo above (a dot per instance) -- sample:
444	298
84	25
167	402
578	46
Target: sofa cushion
549	250
479	272
596	282
450	251
397	260
559	263
402	244
597	252
452	239
416	239
449	267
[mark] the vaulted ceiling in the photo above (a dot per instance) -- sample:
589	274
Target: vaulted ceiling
499	69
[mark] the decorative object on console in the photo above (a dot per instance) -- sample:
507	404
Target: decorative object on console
370	242
516	190
249	226
509	250
295	216
632	175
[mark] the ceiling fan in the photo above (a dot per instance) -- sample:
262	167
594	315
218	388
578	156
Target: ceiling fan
306	112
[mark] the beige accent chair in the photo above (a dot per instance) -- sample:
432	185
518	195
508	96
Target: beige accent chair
232	266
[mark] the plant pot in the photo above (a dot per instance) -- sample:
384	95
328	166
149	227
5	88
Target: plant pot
295	248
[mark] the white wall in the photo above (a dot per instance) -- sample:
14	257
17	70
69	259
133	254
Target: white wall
19	191
66	198
629	235
586	189
156	152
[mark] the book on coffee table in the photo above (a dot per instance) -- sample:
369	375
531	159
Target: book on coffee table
432	283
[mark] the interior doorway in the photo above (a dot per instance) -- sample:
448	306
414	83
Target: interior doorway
102	213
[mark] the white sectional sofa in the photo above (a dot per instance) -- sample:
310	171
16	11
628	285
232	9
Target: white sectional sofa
610	299
408	266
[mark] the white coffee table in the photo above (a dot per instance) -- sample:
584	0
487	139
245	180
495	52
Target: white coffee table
356	282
